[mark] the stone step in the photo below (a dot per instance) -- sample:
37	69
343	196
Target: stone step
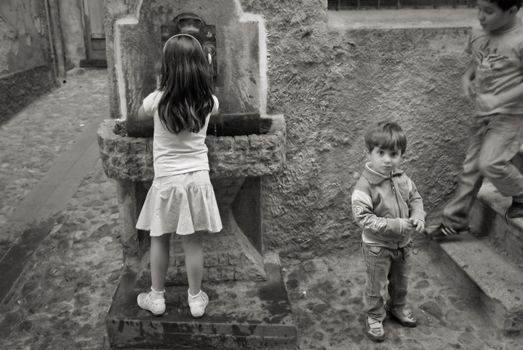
228	256
240	315
494	281
488	219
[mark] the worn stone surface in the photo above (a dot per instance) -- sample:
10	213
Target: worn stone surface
243	315
61	299
238	81
326	295
498	281
488	220
330	86
225	260
26	68
24	42
42	131
130	158
20	89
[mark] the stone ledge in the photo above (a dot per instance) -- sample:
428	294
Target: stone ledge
240	315
487	218
401	19
496	283
488	263
129	158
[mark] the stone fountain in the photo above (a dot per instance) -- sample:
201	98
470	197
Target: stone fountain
249	305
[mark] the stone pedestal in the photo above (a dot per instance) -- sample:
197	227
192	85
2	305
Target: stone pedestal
249	307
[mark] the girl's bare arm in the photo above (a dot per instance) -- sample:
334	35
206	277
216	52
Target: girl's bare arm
141	124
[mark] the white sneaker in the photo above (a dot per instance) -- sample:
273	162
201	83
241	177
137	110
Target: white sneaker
153	302
198	303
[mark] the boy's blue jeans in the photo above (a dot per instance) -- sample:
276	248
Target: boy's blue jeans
494	142
387	269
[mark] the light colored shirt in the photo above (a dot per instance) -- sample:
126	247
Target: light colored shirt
499	66
180	153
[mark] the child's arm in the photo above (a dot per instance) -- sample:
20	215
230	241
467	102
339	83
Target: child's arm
141	124
216	106
466	81
385	228
417	214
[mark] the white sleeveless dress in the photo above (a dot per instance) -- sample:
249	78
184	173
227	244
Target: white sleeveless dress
181	199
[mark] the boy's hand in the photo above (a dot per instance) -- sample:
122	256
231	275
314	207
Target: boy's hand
487	102
406	226
418	225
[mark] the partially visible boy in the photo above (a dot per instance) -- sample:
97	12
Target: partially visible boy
389	209
494	81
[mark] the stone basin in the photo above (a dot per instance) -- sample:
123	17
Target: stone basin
248	155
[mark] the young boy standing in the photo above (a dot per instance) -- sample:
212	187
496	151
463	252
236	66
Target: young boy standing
494	80
388	207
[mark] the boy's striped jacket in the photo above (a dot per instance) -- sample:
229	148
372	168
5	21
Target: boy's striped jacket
378	203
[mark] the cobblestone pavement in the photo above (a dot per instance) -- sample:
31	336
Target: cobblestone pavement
62	297
326	295
37	135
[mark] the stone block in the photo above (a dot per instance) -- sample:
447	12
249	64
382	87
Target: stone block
493	281
128	158
240	315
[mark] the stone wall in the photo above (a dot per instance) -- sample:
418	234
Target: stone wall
330	86
25	58
71	22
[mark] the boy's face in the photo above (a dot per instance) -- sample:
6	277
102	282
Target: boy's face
384	161
492	18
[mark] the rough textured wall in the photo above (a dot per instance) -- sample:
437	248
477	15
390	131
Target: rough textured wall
238	81
25	62
330	86
23	41
113	10
73	32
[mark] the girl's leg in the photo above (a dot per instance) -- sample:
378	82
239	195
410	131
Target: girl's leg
159	260
193	249
154	301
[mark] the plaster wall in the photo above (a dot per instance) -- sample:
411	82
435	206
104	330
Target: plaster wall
330	84
23	40
238	79
71	20
26	67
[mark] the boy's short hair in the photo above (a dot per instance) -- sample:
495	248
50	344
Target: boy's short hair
506	4
386	135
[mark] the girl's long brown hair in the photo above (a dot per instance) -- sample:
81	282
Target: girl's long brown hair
186	83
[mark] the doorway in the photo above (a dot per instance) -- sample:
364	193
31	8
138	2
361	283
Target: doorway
93	12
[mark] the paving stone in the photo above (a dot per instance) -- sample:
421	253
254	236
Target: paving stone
44	321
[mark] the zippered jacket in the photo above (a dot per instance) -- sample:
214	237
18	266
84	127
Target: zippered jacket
379	202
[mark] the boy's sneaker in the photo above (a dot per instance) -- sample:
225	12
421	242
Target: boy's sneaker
515	210
374	329
197	303
403	316
152	301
